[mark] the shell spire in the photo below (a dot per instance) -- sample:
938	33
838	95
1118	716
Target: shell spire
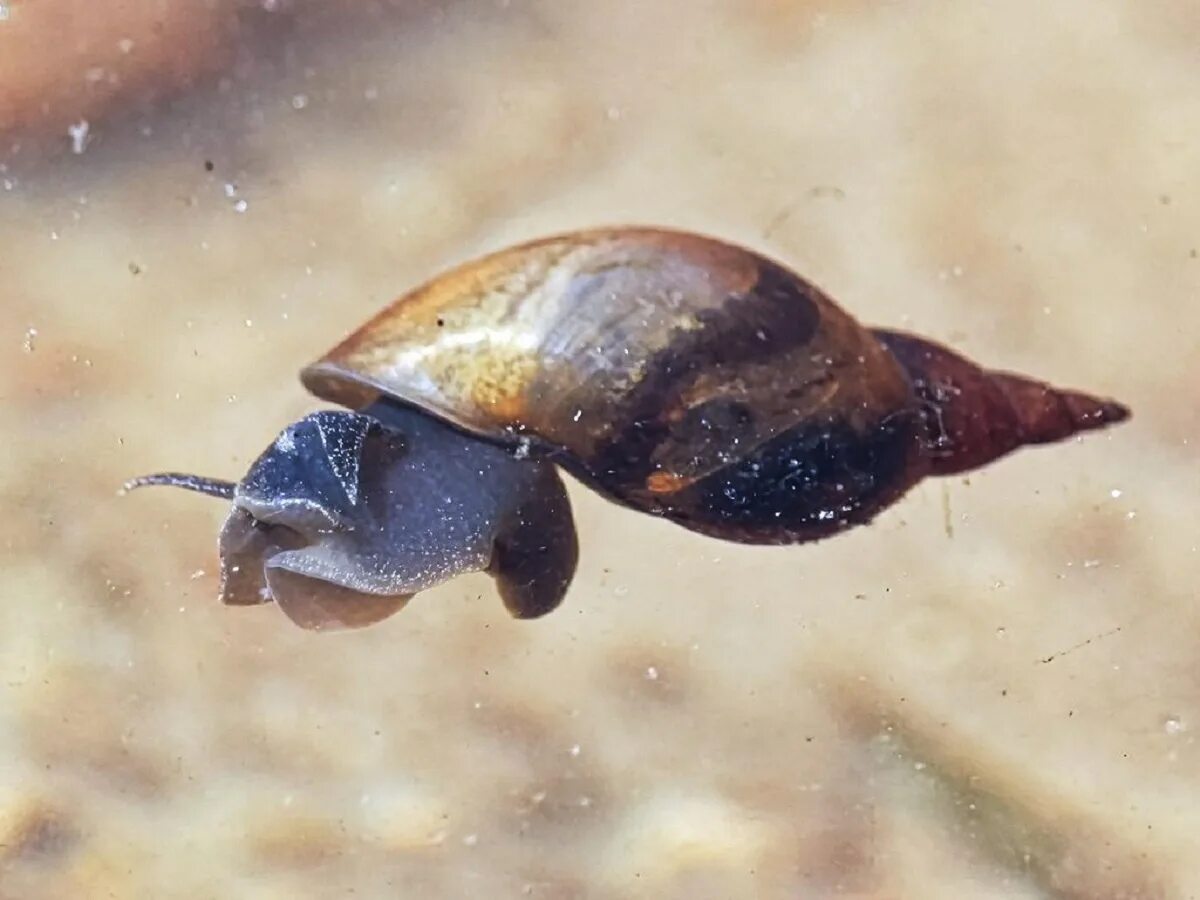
974	416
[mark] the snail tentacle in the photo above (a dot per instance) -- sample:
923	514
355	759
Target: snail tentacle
212	487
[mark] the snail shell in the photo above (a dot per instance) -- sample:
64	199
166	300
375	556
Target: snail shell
684	377
675	374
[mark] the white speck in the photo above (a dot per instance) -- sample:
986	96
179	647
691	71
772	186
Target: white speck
575	750
1091	563
371	93
125	45
183	609
919	766
199	573
578	415
1174	725
1045	310
1115	493
620	590
1000	632
249	323
79	135
470	840
270	5
286	442
957	271
522	449
232	398
54	235
299	101
651	673
613	113
94	75
31	334
9	184
1131	514
241	206
230	189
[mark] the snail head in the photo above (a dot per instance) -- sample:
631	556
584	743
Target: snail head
346	515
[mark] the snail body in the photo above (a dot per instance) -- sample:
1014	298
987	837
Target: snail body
674	374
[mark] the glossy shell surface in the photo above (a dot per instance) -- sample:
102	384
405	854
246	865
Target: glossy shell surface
657	365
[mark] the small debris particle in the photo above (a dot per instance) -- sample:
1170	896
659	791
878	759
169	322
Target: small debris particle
79	136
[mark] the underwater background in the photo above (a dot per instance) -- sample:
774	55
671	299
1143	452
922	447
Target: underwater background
991	692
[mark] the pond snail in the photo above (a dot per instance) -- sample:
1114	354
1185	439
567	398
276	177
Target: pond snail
672	373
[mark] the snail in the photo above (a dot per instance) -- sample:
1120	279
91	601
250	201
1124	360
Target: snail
674	374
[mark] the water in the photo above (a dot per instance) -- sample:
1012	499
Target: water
697	720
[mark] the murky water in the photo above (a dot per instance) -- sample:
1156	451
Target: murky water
992	692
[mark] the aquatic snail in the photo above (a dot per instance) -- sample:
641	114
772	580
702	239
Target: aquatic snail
672	373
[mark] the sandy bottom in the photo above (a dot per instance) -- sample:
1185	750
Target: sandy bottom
992	692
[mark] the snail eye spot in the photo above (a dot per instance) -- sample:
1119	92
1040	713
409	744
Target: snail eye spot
441	323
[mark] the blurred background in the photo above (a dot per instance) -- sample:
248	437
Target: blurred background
991	692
